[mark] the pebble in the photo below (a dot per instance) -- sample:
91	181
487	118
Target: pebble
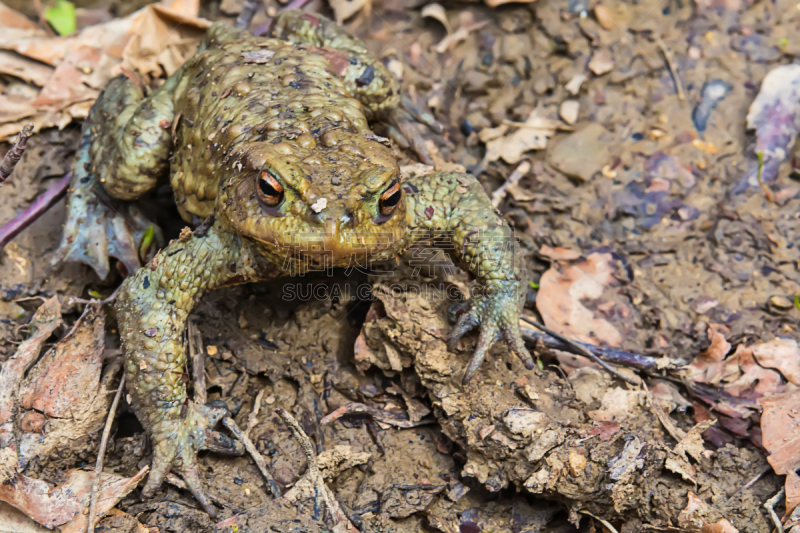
604	17
569	111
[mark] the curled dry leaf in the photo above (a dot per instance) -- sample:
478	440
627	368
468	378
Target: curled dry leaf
531	135
690	446
561	290
436	11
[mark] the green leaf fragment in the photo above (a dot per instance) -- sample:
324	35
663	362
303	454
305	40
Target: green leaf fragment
797	301
96	295
147	241
61	17
534	285
539	364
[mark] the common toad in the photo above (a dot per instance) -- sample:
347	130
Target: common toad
267	140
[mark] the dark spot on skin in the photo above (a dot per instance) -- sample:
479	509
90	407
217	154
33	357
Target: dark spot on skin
146	283
429	212
366	77
151	332
175	252
354	61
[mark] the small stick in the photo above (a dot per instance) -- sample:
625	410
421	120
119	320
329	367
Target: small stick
671	66
251	449
98	467
197	355
310	452
769	504
105	301
37	208
252	418
610	355
752	482
604	522
582	351
338	516
13	156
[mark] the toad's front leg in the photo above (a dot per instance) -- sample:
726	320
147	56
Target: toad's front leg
152	309
456	204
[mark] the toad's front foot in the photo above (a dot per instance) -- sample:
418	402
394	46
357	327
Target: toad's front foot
176	443
96	230
496	312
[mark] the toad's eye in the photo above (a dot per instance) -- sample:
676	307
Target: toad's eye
270	190
390	198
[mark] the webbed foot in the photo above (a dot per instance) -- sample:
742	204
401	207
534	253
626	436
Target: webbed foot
176	443
497	315
97	227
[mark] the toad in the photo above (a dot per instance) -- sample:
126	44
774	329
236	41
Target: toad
266	140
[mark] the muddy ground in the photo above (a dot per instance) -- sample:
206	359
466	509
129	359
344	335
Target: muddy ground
645	186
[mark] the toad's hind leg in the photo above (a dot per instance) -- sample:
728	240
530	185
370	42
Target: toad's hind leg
123	151
367	79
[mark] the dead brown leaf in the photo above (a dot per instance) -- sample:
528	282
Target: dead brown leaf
780	429
46	319
690	446
63	398
561	290
49	507
155	39
111	490
781	354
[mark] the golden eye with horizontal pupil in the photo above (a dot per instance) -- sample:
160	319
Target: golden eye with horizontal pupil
390	198
270	190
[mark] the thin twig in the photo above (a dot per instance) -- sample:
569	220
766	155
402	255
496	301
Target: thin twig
105	301
582	351
98	467
609	355
257	457
13	156
252	418
671	66
337	515
35	210
311	454
769	504
605	523
752	482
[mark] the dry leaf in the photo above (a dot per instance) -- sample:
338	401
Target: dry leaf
690	446
46	319
781	354
561	290
532	135
63	398
780	430
49	507
436	11
111	490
